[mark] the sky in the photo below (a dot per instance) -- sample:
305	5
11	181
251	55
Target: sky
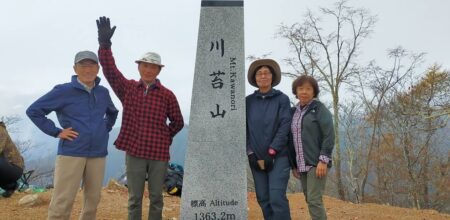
38	39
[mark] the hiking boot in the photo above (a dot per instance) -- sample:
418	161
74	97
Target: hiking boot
7	193
10	190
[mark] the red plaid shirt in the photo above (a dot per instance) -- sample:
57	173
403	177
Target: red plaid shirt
144	132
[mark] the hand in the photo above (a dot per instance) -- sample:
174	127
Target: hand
252	160
295	173
105	32
68	134
268	164
321	169
272	152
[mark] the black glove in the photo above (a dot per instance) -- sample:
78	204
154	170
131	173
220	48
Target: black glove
105	32
252	160
268	164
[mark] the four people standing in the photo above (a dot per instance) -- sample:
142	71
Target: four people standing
152	117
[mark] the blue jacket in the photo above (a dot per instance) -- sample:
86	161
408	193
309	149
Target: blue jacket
268	123
92	115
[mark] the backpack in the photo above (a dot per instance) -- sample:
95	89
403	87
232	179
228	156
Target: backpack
174	179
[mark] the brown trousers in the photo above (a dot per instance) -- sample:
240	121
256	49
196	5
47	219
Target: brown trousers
69	172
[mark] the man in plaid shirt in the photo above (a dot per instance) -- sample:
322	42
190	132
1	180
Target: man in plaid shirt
145	135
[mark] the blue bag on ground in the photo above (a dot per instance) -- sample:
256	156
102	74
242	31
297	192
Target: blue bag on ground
174	179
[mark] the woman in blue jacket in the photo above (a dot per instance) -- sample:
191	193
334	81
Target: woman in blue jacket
268	124
311	143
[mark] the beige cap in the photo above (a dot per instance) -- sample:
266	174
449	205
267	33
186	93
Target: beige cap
276	78
151	57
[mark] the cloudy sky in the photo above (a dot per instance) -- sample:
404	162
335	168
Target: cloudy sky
38	39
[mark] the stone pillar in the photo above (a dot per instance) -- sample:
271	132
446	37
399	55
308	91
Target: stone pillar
215	179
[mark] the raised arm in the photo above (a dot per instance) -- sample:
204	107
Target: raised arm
114	77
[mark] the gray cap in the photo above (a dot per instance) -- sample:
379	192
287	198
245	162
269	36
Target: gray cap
82	55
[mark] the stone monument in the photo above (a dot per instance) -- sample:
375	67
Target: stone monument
215	179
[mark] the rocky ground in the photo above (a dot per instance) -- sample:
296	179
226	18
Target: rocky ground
114	206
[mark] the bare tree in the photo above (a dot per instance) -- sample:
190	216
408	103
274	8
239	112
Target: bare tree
330	56
413	119
354	127
440	199
376	87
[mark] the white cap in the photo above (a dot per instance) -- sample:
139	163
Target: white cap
151	57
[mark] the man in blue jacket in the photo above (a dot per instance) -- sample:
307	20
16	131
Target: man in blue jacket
86	114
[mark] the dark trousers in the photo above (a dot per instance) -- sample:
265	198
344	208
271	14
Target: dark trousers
9	174
271	188
137	170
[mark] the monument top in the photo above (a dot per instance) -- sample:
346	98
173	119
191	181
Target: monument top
222	3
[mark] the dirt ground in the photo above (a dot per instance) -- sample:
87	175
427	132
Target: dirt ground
114	206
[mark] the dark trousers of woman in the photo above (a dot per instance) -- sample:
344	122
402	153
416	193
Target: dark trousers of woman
271	188
9	174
